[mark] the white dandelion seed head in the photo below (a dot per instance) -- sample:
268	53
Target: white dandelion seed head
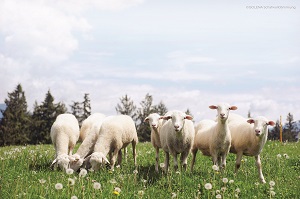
162	165
69	171
225	180
218	196
272	193
278	155
208	186
58	186
74	197
118	189
82	173
231	181
174	195
71	181
272	183
237	190
97	185
215	167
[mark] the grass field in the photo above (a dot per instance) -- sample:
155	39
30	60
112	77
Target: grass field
25	173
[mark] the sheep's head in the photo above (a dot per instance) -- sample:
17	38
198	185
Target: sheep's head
61	161
75	162
223	110
153	120
96	159
260	126
178	119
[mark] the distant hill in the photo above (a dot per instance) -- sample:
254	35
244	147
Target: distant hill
2	107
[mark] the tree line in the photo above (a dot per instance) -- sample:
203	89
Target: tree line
18	126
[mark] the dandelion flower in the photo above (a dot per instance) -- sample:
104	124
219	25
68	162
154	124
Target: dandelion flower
278	156
174	195
231	181
215	168
97	185
82	173
218	196
69	171
117	191
208	186
71	181
74	197
162	165
272	183
225	180
58	186
42	181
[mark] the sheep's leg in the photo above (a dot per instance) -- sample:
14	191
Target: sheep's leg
258	164
194	153
183	158
156	159
167	157
134	151
215	160
120	157
113	159
224	160
71	147
238	161
125	153
175	161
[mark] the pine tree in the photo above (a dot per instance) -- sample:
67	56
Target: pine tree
14	126
77	110
288	133
126	107
43	117
275	132
86	107
160	109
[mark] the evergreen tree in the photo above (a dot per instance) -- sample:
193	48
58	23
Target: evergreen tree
274	134
143	128
43	117
288	133
14	126
86	107
77	110
188	112
161	108
126	107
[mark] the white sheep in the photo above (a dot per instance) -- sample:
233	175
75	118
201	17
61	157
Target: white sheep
116	132
213	138
155	122
248	138
64	135
91	127
177	137
88	123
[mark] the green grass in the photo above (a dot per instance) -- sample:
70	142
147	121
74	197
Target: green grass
23	167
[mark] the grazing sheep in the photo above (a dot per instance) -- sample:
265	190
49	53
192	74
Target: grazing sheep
64	135
177	136
248	137
155	123
116	132
91	128
87	124
213	138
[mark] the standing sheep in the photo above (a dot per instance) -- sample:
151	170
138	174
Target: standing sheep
91	128
116	132
87	124
214	138
155	122
64	135
177	136
248	138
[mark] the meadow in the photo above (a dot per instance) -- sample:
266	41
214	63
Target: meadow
25	173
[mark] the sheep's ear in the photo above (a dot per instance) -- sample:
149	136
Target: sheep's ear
213	107
189	117
233	108
146	119
166	117
251	121
271	123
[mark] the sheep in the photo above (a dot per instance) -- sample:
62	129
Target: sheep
155	122
213	138
88	123
91	127
116	132
176	137
248	137
64	135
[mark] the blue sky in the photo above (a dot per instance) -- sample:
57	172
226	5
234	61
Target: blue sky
189	54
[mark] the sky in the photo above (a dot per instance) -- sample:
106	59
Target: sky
187	54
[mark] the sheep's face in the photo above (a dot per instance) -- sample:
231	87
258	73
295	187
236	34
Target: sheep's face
75	162
97	159
153	120
63	161
260	125
223	110
178	119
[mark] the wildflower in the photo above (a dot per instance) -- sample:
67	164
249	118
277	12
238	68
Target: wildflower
71	181
117	191
69	171
74	197
42	181
97	185
237	190
272	183
174	195
272	193
58	186
225	180
141	193
208	186
82	173
162	165
218	196
215	168
278	156
231	181
135	171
